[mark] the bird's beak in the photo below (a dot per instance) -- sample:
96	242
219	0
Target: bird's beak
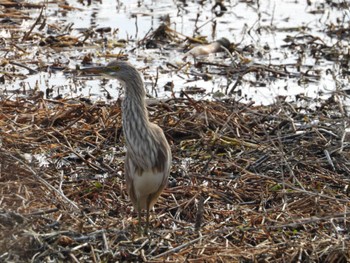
94	70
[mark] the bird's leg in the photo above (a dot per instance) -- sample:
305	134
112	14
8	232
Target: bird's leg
139	217
147	221
149	198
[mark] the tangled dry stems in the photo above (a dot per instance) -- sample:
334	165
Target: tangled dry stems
264	183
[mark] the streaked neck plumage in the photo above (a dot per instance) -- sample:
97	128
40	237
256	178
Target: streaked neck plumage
136	126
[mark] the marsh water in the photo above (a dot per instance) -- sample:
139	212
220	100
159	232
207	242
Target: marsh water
303	38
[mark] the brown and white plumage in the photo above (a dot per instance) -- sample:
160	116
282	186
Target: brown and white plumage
148	157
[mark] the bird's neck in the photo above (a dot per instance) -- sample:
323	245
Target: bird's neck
135	115
134	105
137	132
135	111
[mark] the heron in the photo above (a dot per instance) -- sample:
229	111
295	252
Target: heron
148	156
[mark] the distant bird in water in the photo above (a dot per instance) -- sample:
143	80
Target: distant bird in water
148	156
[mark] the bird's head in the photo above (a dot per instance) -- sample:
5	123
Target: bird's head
120	70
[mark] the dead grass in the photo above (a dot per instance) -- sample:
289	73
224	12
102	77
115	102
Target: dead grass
248	184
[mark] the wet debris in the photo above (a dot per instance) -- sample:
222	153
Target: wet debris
220	45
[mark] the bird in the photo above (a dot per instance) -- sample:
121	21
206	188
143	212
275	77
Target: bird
148	156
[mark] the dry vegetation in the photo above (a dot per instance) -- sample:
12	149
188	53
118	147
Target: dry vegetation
248	183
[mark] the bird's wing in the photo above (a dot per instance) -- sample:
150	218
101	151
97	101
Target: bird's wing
163	155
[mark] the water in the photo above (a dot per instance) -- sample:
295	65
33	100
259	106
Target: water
264	25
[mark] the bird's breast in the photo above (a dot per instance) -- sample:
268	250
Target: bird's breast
148	182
